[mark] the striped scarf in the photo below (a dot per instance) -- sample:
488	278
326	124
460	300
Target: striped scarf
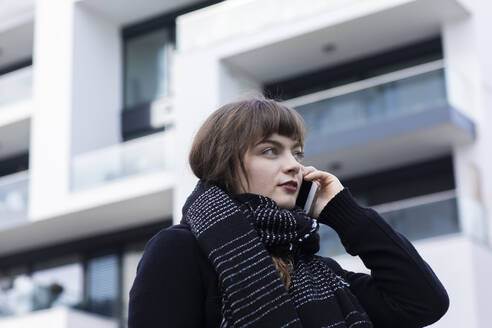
239	235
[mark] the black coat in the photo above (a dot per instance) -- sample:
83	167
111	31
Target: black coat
176	286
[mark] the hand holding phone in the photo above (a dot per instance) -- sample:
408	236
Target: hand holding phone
329	185
307	195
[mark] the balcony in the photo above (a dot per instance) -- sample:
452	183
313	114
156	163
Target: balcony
133	158
13	199
384	121
15	88
423	217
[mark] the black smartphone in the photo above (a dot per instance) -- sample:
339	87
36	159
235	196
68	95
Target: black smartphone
306	196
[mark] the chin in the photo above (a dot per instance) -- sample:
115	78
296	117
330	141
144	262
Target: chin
286	203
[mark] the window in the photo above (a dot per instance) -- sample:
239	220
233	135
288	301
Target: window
147	67
103	285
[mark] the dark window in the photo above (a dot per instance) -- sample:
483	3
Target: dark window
103	285
147	67
404	182
14	164
15	66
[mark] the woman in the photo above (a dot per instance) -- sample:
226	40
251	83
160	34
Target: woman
245	256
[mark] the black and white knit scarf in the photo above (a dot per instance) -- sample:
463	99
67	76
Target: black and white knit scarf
239	235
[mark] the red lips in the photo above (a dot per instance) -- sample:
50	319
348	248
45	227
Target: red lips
289	185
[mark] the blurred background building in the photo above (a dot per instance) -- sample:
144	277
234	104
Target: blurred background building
100	99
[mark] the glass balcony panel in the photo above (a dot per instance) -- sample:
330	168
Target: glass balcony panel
397	98
13	199
145	155
421	221
427	220
16	86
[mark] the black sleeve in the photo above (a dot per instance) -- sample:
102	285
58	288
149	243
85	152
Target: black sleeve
167	290
402	290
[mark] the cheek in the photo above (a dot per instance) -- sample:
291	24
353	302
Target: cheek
262	178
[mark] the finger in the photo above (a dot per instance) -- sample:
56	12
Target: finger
318	175
308	169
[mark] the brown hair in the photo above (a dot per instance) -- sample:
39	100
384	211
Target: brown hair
224	138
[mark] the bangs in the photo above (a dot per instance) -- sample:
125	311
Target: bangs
269	117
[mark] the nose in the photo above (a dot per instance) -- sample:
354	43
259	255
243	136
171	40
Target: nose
291	165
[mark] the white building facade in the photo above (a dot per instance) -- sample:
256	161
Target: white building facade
100	100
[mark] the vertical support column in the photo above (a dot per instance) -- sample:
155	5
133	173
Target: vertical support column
52	94
77	95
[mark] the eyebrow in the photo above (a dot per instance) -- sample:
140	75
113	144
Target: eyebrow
278	144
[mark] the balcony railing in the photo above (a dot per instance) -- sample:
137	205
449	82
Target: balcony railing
24	296
15	86
13	199
419	218
376	99
140	156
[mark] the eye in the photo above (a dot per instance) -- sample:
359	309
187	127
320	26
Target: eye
270	151
299	155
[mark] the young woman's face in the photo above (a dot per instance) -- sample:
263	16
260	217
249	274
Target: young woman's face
274	170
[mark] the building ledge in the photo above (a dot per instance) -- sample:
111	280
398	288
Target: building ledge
58	318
